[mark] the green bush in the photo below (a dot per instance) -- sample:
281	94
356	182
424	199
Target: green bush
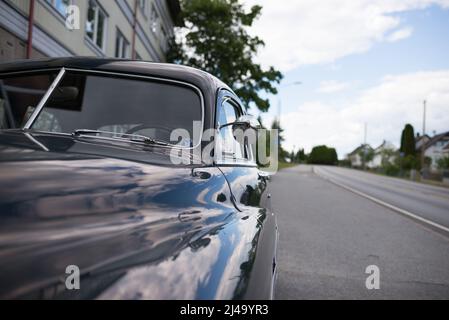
323	155
391	170
344	163
410	162
443	163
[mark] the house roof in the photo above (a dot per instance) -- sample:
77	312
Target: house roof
385	145
437	138
419	138
359	148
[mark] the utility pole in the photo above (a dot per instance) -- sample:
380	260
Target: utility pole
364	137
364	146
424	119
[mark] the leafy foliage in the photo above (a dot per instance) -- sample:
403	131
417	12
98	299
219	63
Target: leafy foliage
409	162
391	169
323	155
443	163
282	154
408	141
217	42
366	153
298	157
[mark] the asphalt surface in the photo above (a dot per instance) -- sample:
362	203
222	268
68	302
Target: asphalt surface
429	202
329	235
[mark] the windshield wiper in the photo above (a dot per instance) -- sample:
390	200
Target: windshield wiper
123	136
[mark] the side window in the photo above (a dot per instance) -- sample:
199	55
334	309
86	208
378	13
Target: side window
227	113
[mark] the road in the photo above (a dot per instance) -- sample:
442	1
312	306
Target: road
329	235
429	202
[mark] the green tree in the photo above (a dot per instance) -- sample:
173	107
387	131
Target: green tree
323	155
292	156
408	141
366	154
443	163
300	156
388	155
217	41
282	154
409	160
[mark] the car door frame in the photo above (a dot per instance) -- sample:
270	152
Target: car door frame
264	269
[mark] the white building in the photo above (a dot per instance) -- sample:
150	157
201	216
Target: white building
435	148
108	28
382	154
356	156
420	141
446	150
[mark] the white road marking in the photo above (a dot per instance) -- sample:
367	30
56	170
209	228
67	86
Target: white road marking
385	204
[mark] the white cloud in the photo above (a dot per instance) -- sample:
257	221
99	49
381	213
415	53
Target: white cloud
310	32
386	108
400	34
332	86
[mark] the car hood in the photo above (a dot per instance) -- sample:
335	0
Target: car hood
67	202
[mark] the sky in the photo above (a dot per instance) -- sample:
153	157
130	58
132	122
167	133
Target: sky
358	61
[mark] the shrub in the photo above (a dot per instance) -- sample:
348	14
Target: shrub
391	170
323	155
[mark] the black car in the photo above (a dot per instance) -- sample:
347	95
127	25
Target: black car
93	183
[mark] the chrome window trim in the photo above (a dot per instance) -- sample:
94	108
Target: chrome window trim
44	99
11	73
224	95
30	136
122	74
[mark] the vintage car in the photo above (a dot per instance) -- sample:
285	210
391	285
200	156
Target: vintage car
92	203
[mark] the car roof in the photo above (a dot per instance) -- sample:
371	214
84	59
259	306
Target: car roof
208	84
201	79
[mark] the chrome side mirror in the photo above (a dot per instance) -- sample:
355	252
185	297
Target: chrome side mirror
244	122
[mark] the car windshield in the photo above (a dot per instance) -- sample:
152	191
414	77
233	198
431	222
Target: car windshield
120	107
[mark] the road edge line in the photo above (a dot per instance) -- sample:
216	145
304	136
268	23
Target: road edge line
404	212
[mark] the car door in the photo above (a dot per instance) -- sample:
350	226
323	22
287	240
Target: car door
250	192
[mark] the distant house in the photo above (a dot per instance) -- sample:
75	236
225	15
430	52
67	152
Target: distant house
382	154
355	157
420	141
446	151
436	148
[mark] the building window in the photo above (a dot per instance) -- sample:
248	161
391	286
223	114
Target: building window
154	20
163	40
96	24
60	5
121	46
142	4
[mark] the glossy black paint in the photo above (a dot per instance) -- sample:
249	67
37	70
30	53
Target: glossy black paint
137	226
